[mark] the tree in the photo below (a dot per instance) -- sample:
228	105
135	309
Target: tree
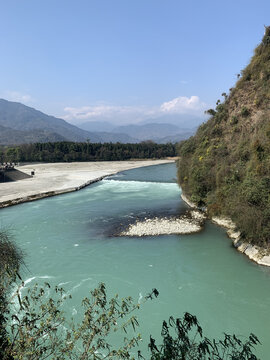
211	112
12	155
38	329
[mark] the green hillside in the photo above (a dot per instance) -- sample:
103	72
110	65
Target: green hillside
10	136
226	165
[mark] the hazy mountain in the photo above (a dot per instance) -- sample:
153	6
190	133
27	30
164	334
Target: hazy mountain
22	124
182	121
175	138
148	131
21	117
115	137
175	127
158	132
10	136
100	126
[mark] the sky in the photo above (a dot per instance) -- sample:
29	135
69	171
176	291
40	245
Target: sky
125	60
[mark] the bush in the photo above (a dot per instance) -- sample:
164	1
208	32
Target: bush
244	111
10	261
183	343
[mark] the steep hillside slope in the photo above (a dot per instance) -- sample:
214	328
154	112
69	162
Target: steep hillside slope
226	165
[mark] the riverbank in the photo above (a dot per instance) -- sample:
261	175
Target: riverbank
255	253
52	179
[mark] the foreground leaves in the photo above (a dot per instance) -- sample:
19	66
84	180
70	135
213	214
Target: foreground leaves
183	340
40	330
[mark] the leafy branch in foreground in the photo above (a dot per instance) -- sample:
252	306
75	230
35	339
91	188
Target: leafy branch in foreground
183	344
10	260
40	330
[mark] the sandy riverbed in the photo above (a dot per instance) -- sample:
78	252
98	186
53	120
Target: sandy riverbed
57	178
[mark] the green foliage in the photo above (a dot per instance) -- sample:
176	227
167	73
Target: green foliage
234	120
69	151
210	112
10	261
183	340
244	111
39	329
227	165
188	146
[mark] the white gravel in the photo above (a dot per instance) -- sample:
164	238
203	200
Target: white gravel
166	226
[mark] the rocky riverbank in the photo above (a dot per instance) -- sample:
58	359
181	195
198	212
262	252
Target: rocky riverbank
190	222
255	253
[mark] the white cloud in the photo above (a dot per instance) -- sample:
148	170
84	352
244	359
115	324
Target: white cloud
128	114
106	112
88	112
17	96
183	104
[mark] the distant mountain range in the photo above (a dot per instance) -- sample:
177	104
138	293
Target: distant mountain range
158	132
22	124
154	131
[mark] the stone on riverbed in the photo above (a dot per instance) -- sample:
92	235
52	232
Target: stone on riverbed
186	224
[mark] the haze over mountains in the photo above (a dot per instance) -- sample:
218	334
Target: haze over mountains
22	124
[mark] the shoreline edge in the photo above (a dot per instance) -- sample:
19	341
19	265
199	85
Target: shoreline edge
254	252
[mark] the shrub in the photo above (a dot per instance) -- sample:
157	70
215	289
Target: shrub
183	340
244	111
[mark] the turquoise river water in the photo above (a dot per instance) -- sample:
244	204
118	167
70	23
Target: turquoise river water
68	240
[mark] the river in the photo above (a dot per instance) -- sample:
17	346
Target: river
69	239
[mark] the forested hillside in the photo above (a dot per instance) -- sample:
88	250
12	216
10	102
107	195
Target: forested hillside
71	151
226	165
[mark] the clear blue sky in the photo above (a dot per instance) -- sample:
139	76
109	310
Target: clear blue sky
84	55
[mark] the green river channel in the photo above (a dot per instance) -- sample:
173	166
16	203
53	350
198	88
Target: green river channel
68	239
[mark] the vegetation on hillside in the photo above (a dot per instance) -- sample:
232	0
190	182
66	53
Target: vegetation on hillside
226	165
70	151
34	326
